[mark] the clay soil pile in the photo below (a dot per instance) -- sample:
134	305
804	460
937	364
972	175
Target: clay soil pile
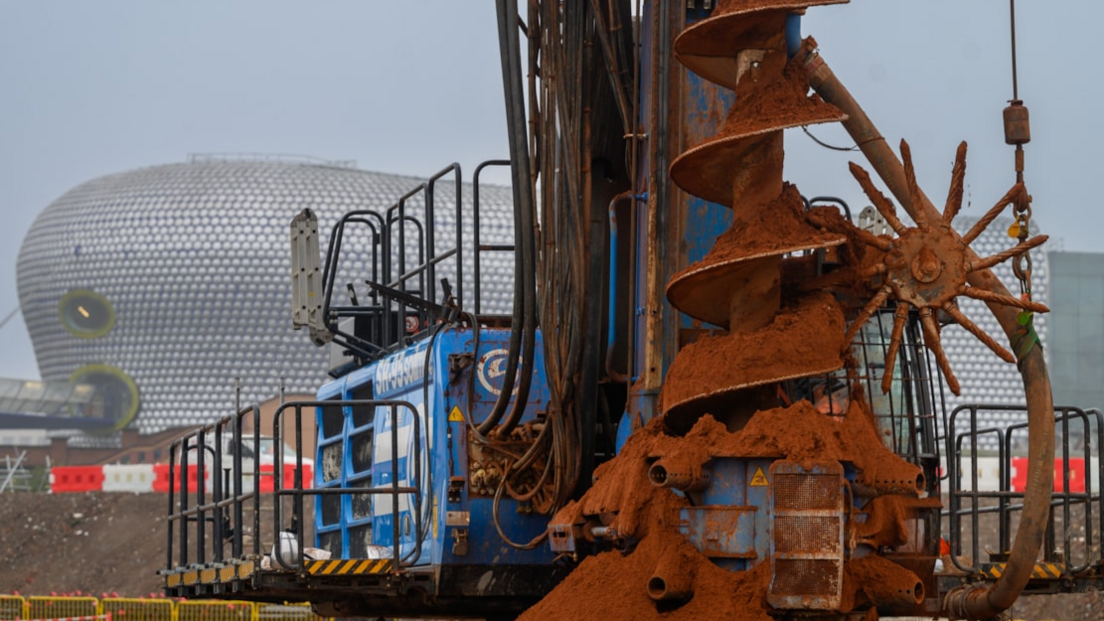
97	542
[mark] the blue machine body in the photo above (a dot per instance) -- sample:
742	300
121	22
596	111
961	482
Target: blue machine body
355	450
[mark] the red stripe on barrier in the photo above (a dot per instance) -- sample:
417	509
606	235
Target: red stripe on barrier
1076	474
69	479
287	479
161	479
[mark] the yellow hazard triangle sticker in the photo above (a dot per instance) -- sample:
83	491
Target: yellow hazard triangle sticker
455	416
759	479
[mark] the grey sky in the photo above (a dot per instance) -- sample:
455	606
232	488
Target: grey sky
91	88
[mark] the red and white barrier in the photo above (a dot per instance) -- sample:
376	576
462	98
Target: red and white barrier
146	478
1077	474
137	478
988	473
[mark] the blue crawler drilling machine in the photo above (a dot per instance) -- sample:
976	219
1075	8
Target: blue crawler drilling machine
662	271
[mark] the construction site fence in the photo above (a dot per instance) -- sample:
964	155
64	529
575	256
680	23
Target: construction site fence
68	608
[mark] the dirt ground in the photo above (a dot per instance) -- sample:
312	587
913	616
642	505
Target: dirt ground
94	543
114	543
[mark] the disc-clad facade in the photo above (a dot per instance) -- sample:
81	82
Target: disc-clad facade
167	284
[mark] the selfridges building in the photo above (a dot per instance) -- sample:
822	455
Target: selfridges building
168	288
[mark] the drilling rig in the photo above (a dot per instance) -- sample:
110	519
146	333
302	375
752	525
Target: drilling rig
708	382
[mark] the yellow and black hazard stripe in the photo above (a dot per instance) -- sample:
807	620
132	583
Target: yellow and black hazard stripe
345	567
1041	571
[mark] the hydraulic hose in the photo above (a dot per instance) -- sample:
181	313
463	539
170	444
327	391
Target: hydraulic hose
972	602
510	48
519	174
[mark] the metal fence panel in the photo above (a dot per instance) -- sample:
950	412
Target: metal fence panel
41	607
129	609
286	612
213	610
12	608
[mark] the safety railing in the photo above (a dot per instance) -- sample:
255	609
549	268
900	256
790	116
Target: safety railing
201	610
403	299
983	519
46	607
202	524
298	493
480	247
224	510
12	608
42	608
138	609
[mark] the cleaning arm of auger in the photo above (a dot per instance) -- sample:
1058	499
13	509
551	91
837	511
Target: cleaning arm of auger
977	602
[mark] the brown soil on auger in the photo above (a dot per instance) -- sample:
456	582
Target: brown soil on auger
612	585
784	334
810	332
779	227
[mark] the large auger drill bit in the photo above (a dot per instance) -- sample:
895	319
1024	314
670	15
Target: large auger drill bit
775	334
755	283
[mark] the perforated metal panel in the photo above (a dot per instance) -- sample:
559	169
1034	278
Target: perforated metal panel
807	528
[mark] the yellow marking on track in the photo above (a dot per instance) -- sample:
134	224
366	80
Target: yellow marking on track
1041	571
342	567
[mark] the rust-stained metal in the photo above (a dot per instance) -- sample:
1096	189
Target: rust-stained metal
671	582
740	286
988	601
679	472
926	266
753	357
709	48
807	535
744	162
721	531
897	587
1017	124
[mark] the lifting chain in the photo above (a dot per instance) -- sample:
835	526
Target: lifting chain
1021	263
1017	131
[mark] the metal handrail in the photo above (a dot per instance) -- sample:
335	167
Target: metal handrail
1007	504
182	511
298	493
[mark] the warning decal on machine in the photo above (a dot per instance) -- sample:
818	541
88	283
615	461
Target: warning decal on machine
456	416
759	479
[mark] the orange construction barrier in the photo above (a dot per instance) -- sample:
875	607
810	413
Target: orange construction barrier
1076	475
161	479
67	479
287	479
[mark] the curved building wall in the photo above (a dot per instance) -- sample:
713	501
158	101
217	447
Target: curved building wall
190	263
